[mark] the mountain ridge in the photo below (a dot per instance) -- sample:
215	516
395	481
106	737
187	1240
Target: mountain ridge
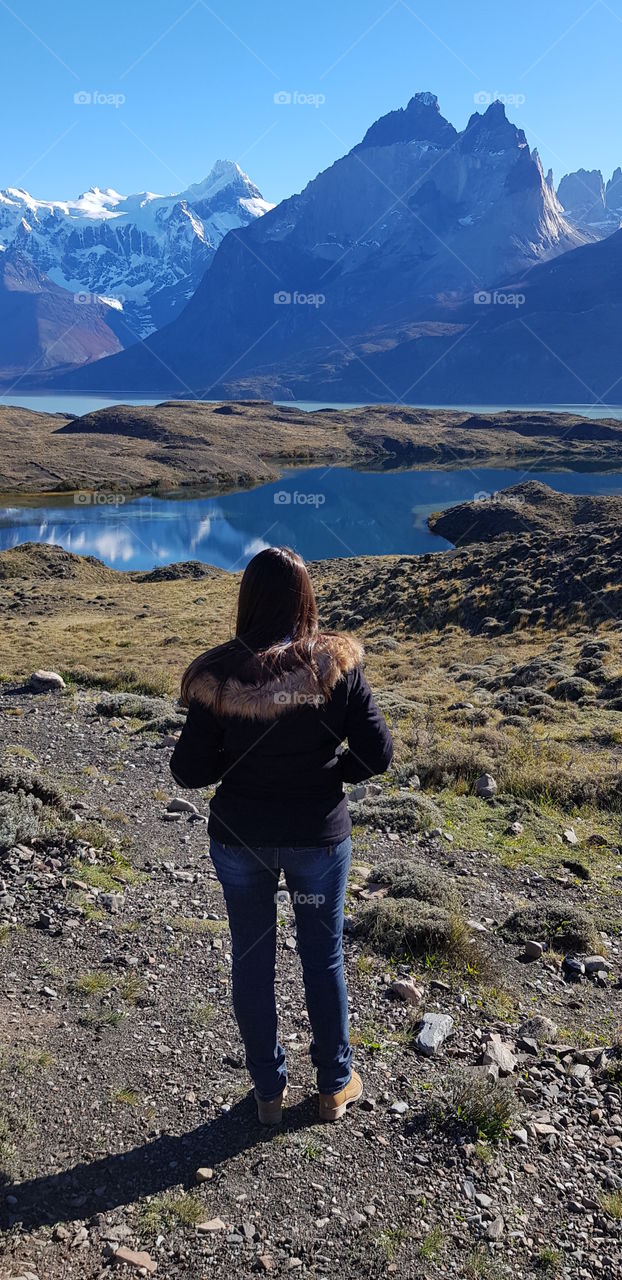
401	229
146	251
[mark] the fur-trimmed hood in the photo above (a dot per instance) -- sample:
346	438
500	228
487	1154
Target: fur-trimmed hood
228	695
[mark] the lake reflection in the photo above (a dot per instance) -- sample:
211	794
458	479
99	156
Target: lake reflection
320	512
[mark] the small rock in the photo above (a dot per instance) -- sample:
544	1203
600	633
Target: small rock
527	1044
407	989
204	1174
499	1055
211	1224
140	1261
533	949
434	1030
515	829
181	806
594	964
495	1229
569	836
486	787
573	967
399	1108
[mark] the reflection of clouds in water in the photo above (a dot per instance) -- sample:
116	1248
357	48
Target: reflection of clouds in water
203	531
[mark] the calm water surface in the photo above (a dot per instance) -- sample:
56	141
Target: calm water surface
321	512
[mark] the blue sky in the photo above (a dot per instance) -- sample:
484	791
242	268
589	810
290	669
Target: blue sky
184	82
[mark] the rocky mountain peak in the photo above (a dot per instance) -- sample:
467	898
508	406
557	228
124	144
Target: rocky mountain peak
491	132
419	121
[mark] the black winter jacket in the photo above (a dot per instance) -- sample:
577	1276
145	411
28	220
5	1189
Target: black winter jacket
275	749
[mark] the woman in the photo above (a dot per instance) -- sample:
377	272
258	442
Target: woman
267	715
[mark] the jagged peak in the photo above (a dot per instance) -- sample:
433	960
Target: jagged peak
419	121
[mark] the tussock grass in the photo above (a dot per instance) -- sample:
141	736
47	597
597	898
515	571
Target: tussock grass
477	1102
408	878
562	926
406	929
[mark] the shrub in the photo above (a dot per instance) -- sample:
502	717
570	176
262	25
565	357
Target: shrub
411	879
398	813
568	928
406	928
20	818
474	1099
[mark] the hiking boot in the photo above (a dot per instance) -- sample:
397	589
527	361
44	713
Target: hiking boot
270	1111
333	1105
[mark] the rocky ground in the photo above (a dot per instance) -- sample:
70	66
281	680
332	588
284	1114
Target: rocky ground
483	935
219	446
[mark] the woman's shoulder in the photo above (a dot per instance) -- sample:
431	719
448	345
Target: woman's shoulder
338	654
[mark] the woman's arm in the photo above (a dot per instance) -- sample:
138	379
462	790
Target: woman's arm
370	746
198	758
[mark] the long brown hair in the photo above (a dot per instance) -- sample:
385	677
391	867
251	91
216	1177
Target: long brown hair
276	627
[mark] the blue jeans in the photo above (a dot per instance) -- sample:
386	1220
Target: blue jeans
316	880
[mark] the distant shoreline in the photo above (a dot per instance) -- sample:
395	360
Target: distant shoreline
219	446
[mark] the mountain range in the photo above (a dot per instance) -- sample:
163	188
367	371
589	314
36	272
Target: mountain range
143	254
590	202
382	247
427	263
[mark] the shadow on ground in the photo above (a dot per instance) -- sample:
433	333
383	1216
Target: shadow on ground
154	1167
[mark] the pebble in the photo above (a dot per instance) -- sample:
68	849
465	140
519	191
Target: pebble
573	967
204	1174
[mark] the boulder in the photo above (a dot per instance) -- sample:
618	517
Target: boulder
46	681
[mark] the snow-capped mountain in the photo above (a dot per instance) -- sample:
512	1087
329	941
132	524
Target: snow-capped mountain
389	240
592	203
143	253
